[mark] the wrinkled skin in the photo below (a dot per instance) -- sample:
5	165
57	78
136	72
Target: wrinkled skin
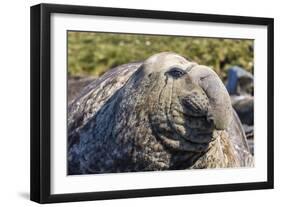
163	114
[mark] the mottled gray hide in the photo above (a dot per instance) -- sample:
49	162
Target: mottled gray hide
164	113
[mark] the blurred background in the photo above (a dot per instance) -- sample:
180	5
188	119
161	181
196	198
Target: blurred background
91	54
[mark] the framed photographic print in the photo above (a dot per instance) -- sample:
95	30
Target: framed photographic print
132	103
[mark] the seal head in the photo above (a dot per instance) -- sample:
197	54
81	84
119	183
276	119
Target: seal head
187	101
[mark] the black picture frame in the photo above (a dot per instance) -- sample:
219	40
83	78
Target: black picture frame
41	99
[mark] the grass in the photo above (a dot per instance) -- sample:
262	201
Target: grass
92	53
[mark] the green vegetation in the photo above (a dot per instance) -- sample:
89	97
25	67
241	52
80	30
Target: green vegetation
94	53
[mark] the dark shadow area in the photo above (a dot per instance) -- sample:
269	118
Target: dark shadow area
24	195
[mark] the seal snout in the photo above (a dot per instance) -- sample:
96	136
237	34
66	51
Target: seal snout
220	104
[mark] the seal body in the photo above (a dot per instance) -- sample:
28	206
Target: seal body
165	113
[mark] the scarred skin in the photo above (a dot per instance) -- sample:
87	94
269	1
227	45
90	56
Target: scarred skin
165	113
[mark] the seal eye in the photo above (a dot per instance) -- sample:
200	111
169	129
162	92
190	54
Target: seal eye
176	72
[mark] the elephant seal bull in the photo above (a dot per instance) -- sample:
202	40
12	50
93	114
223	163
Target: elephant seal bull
166	113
